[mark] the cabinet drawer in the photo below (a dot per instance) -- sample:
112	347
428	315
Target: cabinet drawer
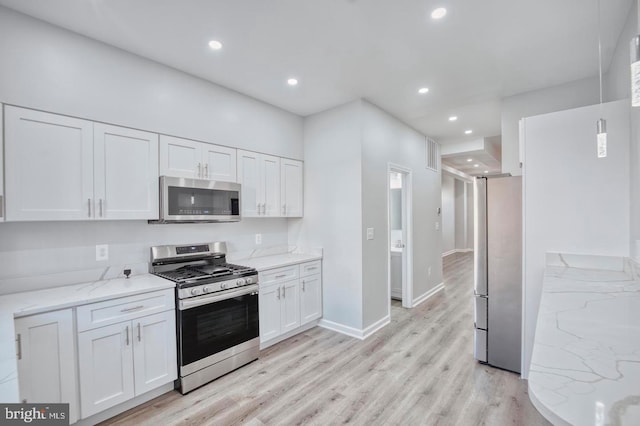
124	308
310	268
279	275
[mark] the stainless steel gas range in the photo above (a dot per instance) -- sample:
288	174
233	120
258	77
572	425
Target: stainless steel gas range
217	310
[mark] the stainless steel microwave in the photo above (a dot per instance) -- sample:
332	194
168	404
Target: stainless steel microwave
185	200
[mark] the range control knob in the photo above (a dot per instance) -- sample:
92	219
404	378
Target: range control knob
194	291
223	286
240	282
205	289
249	280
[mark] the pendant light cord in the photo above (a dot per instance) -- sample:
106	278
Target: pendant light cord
599	55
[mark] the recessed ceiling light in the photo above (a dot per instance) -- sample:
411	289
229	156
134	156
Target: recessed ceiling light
423	90
215	45
486	171
292	82
439	13
468	132
476	165
453	118
469	160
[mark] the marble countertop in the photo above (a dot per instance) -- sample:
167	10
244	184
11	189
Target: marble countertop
35	302
264	263
585	368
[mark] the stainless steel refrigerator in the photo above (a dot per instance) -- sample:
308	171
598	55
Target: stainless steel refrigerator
498	271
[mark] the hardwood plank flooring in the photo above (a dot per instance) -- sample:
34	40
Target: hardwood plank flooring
417	370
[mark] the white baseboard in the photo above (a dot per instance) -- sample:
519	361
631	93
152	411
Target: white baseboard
418	300
447	253
376	326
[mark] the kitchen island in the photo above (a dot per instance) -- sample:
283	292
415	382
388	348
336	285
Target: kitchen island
585	368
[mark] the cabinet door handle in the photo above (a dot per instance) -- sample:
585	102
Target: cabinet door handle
303	286
139	335
206	170
199	170
284	210
89	207
19	346
258	208
278	293
281	276
310	268
100	207
135	308
264	208
127	330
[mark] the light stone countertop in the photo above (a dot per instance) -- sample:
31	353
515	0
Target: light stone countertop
35	302
585	368
264	263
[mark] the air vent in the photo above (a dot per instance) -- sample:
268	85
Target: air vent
433	155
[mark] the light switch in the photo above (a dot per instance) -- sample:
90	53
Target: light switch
369	233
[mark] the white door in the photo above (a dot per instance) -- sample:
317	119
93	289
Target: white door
249	178
399	219
154	351
126	173
291	187
290	306
269	298
47	359
270	166
180	157
48	166
310	298
105	358
219	163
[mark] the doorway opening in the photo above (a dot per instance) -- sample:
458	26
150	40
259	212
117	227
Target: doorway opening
400	248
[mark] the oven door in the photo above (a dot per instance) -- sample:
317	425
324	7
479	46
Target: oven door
214	327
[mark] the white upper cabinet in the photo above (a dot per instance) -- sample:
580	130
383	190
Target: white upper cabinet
196	160
291	188
126	173
48	166
259	175
64	168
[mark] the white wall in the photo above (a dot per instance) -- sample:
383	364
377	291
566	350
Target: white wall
448	214
460	215
386	139
617	80
469	244
333	209
635	153
571	95
48	68
573	201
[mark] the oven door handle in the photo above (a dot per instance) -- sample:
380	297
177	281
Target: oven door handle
216	297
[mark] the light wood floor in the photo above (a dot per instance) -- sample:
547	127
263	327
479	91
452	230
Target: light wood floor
417	370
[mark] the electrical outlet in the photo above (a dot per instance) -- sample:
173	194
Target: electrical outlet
429	271
437	226
258	239
102	252
369	233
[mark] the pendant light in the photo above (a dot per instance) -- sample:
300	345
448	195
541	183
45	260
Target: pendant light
635	71
601	125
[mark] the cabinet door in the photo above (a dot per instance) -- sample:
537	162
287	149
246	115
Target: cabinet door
219	162
291	187
249	178
106	367
47	359
48	166
270	174
269	298
126	173
154	351
290	306
310	298
180	157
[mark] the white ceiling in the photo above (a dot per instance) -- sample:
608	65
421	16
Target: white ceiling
380	50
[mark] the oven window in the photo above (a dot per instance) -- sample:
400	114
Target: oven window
202	202
209	329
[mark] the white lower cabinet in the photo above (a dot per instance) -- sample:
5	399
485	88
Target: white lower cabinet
47	359
125	359
289	298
